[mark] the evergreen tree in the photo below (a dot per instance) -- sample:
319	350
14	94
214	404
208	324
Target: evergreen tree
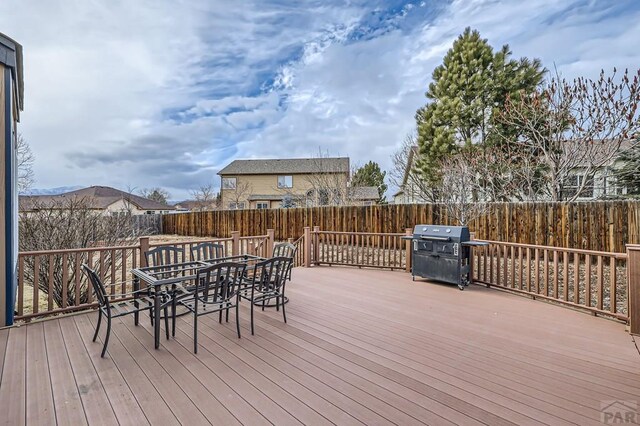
629	174
471	84
371	175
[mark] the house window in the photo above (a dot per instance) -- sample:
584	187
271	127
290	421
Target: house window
368	203
573	184
262	205
229	183
236	206
285	181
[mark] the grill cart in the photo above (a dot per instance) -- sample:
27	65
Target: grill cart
442	253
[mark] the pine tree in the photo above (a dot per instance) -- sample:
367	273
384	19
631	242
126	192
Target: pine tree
371	175
471	84
629	174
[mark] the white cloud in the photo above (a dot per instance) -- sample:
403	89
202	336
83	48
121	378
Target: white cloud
145	93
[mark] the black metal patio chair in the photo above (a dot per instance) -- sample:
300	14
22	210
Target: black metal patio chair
285	250
135	302
217	290
207	251
267	282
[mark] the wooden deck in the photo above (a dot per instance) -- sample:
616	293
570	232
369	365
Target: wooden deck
361	347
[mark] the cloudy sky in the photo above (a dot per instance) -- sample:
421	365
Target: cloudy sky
166	92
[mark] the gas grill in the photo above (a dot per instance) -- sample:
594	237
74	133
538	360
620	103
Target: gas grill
442	253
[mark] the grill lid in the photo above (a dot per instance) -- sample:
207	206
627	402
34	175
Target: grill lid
441	233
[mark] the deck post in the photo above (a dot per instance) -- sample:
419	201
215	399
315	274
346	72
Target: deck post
307	246
472	236
235	243
633	275
316	244
407	244
144	247
270	241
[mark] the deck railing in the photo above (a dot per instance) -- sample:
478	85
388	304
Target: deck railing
362	249
591	280
608	284
51	282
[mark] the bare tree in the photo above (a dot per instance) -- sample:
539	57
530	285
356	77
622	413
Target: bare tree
575	127
157	194
70	223
239	194
329	182
461	178
205	197
404	175
25	164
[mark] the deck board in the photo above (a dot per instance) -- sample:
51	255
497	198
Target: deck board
40	408
360	347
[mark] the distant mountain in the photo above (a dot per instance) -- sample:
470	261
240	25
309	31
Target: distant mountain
51	191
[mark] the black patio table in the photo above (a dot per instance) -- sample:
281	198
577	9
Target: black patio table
157	277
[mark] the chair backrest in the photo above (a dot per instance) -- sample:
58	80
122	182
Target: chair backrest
207	251
164	255
271	274
284	250
98	286
221	281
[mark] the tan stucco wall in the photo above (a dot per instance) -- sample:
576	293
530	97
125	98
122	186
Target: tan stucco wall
268	185
123	206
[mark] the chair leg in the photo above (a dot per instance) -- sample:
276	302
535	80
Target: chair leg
220	316
278	303
284	315
166	321
227	314
173	318
106	339
252	317
195	334
95	335
264	301
237	317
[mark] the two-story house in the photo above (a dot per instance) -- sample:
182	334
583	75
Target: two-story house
294	182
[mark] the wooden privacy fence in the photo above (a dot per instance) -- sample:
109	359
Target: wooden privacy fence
596	225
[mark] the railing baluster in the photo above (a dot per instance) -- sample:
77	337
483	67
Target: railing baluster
36	285
536	271
65	280
50	287
89	286
513	266
520	271
546	271
555	274
565	276
123	269
576	278
587	280
600	282
529	269
77	279
612	285
498	259
20	286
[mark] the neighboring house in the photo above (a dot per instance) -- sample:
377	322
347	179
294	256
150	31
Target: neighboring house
601	185
264	184
411	191
195	205
295	182
109	201
363	195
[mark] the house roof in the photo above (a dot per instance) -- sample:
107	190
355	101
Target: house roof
363	193
97	197
287	166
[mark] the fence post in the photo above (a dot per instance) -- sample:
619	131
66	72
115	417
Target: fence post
307	246
409	232
270	241
144	247
235	243
633	275
316	244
